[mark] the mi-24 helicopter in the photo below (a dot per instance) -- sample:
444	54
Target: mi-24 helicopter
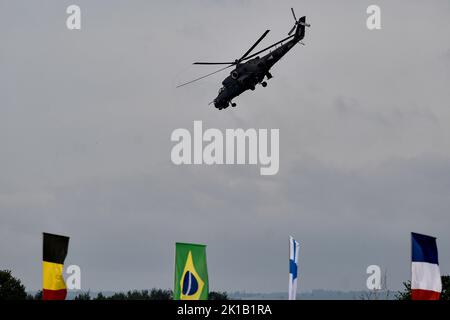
251	69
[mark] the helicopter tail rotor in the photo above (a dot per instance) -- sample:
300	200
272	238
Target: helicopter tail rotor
299	26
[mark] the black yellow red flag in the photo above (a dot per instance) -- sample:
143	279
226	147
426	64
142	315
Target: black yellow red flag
54	254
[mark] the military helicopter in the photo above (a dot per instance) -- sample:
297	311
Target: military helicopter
250	69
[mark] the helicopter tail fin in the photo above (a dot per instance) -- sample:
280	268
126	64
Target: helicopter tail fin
301	26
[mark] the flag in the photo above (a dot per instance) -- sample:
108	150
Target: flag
191	273
426	276
54	254
293	268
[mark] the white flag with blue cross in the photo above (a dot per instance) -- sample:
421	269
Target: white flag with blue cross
293	267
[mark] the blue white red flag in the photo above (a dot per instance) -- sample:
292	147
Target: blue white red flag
426	276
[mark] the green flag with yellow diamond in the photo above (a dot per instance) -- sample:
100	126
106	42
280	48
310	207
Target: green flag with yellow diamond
191	272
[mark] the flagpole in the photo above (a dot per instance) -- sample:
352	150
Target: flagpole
289	268
410	263
289	271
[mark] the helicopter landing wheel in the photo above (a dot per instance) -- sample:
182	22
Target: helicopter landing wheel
233	104
264	84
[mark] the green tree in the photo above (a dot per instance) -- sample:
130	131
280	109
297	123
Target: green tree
83	296
154	294
10	287
161	294
100	296
118	296
213	295
36	296
406	293
445	294
138	295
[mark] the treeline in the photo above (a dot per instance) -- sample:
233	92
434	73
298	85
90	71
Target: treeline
12	288
153	294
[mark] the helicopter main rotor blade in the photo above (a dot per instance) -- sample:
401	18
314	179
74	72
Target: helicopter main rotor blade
293	13
212	63
238	60
269	47
202	77
254	46
292	30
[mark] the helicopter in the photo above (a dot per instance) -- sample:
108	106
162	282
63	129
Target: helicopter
250	69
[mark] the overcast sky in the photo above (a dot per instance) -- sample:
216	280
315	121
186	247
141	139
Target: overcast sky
86	118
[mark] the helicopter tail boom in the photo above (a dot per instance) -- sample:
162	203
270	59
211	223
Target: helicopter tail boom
300	30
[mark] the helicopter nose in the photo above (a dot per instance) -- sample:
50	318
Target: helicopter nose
220	104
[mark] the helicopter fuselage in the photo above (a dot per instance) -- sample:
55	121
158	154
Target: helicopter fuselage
249	74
